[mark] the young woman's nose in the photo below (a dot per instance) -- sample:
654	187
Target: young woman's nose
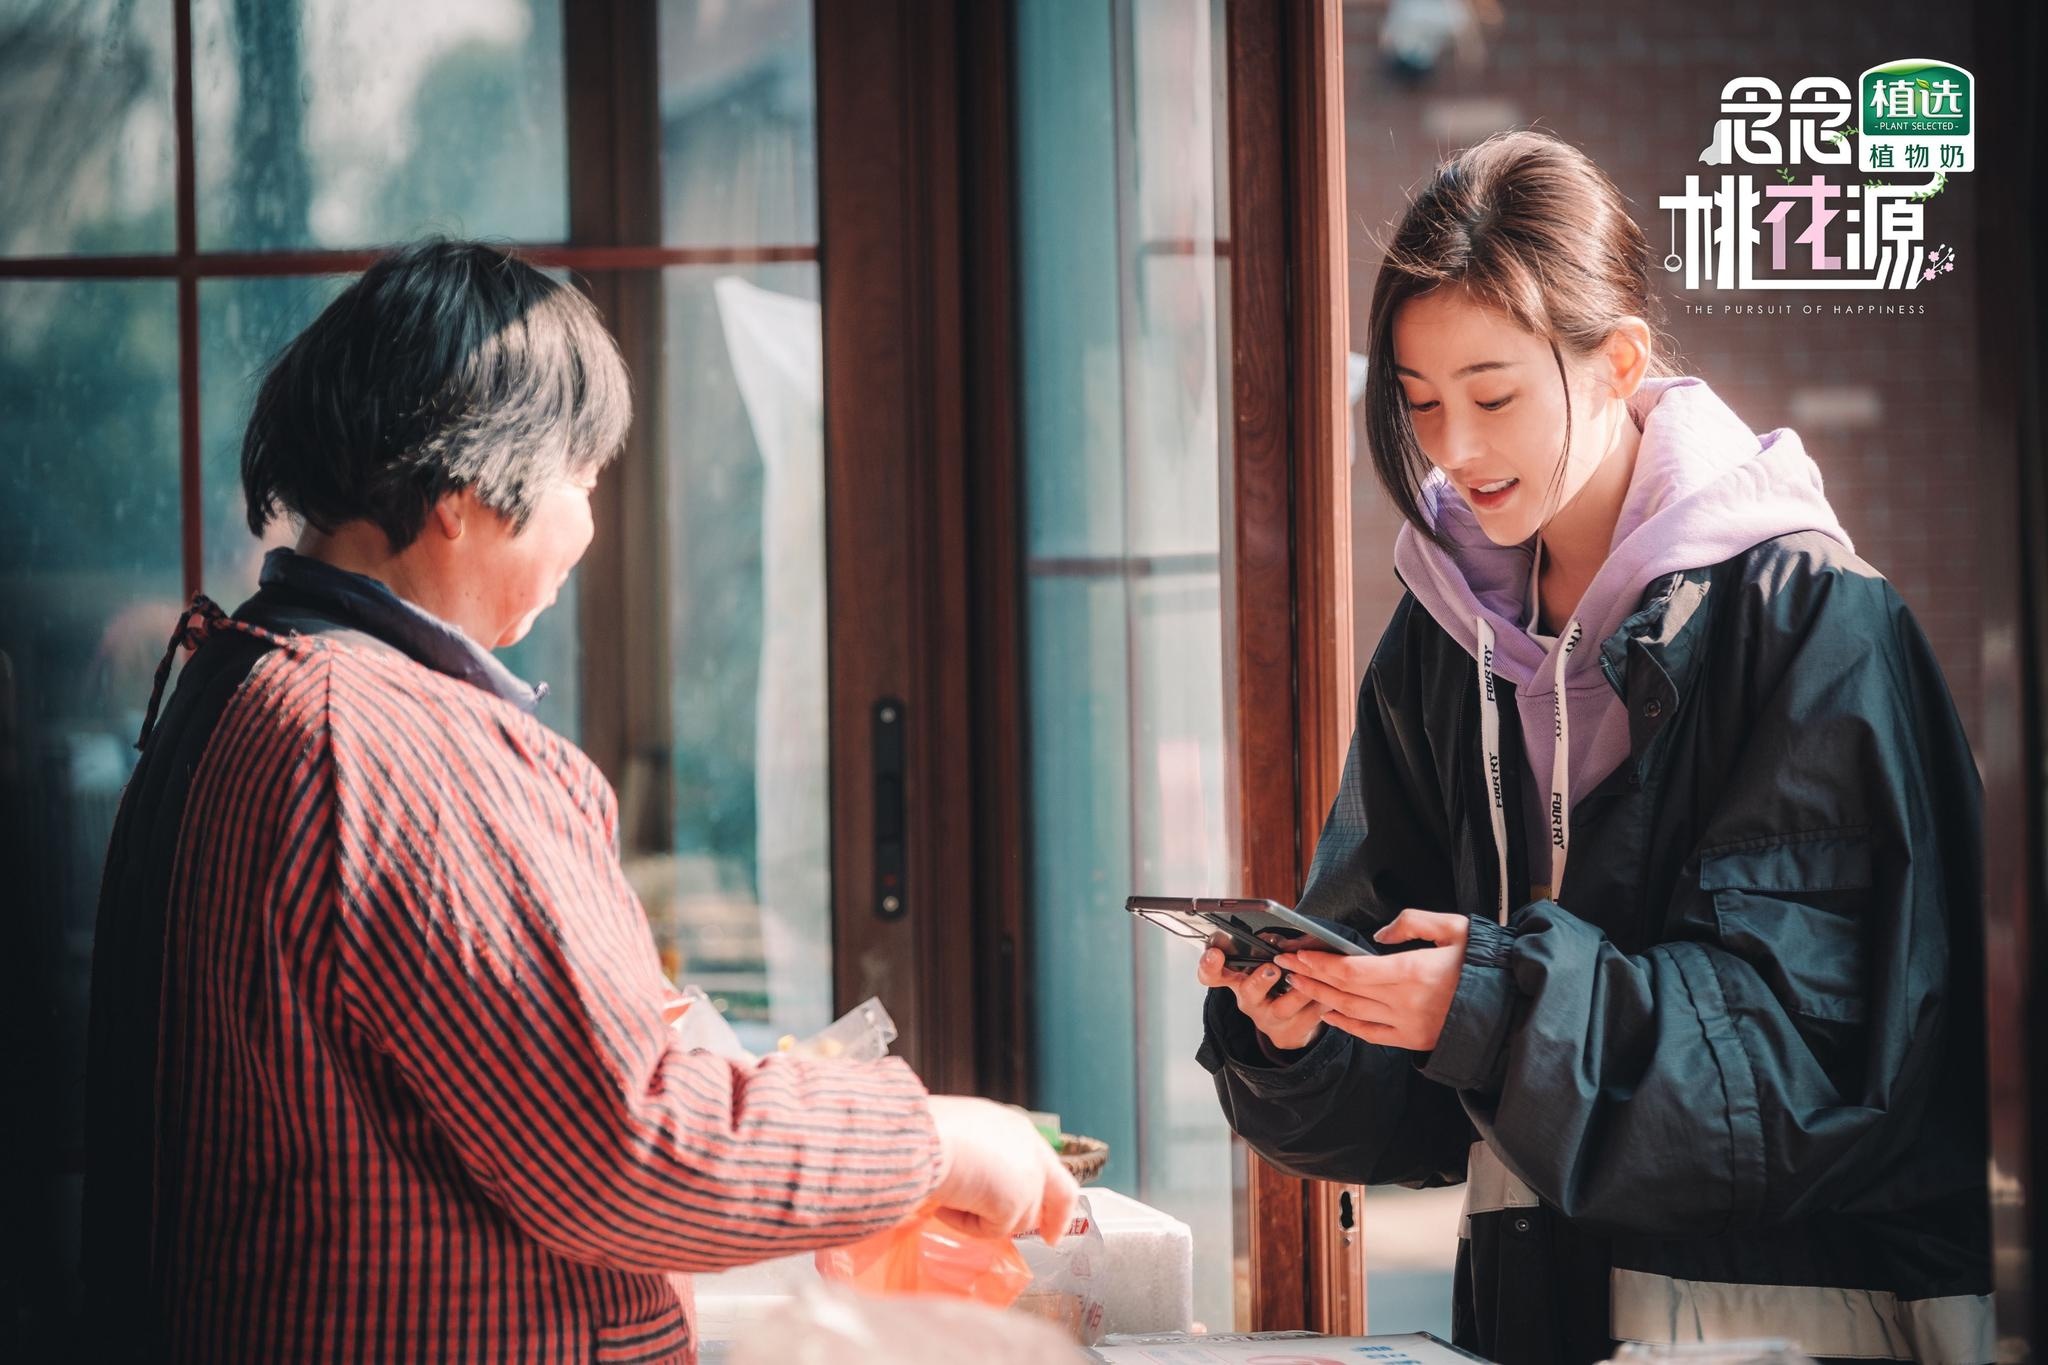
1458	447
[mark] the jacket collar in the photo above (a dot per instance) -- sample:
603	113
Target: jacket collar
1666	640
354	601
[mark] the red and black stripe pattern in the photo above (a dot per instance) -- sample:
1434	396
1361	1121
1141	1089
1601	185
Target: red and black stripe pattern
416	1097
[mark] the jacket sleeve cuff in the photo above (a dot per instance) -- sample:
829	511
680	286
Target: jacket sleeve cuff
1231	1040
1471	1052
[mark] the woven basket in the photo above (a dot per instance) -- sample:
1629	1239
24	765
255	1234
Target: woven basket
1084	1157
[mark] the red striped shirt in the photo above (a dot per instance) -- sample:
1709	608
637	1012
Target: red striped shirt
417	1099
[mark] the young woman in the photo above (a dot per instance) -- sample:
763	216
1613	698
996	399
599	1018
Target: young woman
1660	789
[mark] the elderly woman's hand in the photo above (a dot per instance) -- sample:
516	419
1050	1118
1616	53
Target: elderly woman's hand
1400	999
999	1177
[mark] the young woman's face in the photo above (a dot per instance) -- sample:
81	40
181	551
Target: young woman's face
1489	411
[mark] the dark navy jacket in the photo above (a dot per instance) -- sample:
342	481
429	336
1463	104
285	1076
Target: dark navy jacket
1730	1082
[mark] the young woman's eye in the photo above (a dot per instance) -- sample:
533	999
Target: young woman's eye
1430	406
1497	404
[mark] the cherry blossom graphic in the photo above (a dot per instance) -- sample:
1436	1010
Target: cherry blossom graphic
1940	261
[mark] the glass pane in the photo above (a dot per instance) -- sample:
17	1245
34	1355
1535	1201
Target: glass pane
741	903
243	324
89	592
350	125
739	136
87	142
1125	432
1086	1045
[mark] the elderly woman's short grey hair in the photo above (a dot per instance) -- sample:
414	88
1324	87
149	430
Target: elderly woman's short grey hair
448	365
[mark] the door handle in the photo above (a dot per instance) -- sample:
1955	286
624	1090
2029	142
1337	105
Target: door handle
892	900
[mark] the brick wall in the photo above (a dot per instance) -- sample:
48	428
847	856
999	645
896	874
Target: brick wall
1637	87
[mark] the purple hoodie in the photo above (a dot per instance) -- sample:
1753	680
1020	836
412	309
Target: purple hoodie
1705	489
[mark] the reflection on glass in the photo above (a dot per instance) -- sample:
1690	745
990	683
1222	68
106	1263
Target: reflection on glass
87	150
322	125
738	123
89	593
243	324
741	904
1120	124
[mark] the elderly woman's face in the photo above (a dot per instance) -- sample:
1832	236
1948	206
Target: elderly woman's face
527	569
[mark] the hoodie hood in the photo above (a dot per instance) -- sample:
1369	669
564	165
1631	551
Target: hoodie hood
1705	488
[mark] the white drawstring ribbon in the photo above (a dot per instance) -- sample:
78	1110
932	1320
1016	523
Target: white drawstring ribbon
1489	732
1561	764
1560	767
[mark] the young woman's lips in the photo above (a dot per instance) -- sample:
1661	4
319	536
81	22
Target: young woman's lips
1487	502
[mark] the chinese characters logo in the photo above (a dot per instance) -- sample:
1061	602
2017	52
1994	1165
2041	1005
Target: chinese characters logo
1914	117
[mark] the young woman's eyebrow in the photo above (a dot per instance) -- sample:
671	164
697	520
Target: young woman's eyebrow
1478	368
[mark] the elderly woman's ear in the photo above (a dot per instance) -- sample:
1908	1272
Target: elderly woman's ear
449	515
459	512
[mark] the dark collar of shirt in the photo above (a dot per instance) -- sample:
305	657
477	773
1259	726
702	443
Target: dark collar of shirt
358	602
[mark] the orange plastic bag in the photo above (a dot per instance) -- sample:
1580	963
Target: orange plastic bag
926	1255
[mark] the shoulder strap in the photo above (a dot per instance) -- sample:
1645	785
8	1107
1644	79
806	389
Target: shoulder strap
265	617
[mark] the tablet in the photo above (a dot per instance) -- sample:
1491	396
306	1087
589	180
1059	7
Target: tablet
1243	929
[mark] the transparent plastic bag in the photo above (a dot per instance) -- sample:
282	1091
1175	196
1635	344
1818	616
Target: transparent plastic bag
701	1028
862	1034
927	1255
1067	1281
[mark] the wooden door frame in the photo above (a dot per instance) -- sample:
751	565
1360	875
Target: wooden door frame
1288	541
924	501
897	513
999	703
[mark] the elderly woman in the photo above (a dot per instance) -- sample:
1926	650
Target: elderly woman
381	1060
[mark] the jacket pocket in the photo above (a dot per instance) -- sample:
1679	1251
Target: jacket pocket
1793	908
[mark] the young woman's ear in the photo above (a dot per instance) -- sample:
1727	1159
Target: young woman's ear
1627	356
